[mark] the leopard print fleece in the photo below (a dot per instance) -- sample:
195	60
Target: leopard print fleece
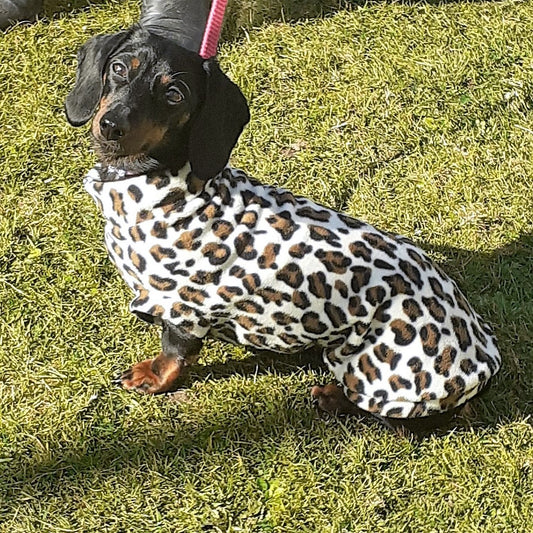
258	266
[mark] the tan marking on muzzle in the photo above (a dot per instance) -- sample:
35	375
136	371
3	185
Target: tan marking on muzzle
102	110
146	137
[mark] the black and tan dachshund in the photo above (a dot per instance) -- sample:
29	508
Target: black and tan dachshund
208	251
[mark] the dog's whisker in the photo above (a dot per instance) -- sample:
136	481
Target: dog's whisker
177	74
185	84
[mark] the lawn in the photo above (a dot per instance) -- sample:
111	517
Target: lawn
416	117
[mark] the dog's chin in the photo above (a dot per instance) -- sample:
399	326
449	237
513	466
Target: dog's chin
111	154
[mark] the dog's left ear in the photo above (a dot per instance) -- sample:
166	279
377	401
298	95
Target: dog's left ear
218	125
82	101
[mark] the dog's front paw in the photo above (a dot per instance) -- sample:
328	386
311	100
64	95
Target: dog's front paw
151	376
140	378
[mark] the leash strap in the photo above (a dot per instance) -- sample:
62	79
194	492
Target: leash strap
213	28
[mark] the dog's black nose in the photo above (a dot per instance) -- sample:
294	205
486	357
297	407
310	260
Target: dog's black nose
110	129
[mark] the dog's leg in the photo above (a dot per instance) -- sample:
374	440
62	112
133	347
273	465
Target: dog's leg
331	399
161	374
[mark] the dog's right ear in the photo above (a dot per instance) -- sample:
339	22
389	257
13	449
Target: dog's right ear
82	101
218	125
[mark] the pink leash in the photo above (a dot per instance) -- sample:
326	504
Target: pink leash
213	28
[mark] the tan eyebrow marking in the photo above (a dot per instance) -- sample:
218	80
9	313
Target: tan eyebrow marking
165	78
135	62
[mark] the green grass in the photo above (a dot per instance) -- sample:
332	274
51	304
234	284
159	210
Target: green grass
417	118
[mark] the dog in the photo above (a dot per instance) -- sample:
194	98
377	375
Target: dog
211	252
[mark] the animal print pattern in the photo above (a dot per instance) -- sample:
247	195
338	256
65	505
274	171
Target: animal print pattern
258	266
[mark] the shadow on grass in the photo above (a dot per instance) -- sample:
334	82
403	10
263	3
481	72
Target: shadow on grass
51	7
502	281
500	285
242	15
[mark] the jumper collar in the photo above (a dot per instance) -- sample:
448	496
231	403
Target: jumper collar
176	195
111	174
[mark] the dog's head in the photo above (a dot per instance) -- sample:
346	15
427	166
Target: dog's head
155	104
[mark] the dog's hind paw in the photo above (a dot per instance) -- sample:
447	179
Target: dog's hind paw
331	399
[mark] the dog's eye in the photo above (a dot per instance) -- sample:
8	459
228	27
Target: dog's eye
119	68
174	95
